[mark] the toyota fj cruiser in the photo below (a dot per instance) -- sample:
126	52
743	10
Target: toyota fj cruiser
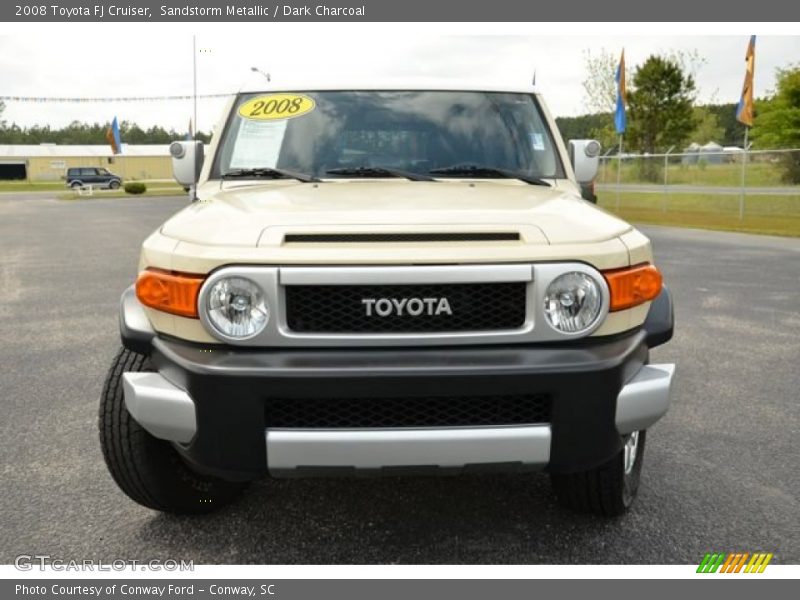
399	279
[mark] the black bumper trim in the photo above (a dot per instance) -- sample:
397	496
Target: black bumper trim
230	388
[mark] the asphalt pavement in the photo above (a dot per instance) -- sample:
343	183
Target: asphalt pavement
721	469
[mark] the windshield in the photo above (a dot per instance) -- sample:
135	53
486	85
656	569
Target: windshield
358	133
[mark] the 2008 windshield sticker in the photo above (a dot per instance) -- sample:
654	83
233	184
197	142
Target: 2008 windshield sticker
276	107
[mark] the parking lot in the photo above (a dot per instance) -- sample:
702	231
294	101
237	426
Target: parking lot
721	469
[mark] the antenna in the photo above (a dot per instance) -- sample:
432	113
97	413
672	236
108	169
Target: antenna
260	72
534	77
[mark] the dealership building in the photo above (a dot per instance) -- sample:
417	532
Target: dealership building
49	162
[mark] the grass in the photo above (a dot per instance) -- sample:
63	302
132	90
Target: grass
767	215
27	186
759	174
160	188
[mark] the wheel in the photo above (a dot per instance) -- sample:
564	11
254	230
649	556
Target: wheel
609	489
114	185
76	185
149	470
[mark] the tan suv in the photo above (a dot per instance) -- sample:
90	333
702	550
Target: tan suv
396	279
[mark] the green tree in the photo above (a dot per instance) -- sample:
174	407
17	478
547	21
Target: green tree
660	105
583	126
777	121
660	110
707	127
726	116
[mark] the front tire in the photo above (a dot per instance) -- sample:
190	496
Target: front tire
149	470
114	185
609	489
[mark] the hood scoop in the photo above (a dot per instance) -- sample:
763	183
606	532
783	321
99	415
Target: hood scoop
392	237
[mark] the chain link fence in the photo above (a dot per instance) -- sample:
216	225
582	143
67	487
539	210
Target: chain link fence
728	182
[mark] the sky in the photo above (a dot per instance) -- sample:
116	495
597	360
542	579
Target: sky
121	65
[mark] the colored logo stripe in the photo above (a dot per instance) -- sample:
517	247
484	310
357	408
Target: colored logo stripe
711	563
734	562
758	563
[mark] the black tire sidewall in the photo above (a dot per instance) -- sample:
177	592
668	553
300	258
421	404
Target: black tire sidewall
147	469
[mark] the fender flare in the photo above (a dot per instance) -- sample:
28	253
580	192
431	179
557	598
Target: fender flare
660	322
134	327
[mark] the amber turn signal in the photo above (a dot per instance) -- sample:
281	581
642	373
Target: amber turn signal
633	286
168	291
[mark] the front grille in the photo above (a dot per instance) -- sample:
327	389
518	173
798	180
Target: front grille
341	308
427	411
477	236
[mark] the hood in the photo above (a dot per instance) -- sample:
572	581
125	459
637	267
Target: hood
247	215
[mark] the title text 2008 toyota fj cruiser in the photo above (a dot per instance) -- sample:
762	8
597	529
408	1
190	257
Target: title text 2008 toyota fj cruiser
387	280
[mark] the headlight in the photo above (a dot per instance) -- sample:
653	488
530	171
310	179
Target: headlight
236	307
573	302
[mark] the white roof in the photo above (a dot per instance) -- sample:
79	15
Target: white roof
99	150
333	83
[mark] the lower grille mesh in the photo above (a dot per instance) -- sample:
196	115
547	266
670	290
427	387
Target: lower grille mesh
427	411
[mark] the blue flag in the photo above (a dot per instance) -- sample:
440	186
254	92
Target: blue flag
113	137
619	115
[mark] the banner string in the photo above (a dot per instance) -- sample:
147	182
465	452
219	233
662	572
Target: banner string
78	100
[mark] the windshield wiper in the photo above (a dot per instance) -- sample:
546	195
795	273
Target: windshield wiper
268	173
489	172
379	172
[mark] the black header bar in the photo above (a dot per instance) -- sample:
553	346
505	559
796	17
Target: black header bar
400	11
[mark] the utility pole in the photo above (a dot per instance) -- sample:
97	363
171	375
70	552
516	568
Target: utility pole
193	188
194	94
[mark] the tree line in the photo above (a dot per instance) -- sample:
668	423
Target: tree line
89	134
722	117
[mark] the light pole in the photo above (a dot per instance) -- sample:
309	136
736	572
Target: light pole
194	71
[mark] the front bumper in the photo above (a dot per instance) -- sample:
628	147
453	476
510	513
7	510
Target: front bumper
211	403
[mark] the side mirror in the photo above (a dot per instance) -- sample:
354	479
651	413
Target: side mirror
187	161
585	158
